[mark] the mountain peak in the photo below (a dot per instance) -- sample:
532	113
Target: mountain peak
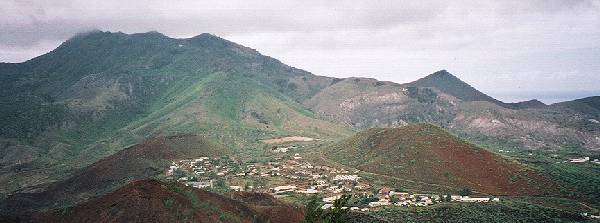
205	35
534	103
150	34
452	85
442	73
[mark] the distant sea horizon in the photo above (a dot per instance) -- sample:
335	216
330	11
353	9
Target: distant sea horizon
548	97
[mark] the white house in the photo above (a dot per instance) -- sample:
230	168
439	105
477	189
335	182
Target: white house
308	191
283	189
580	160
331	199
327	206
346	178
236	188
200	184
474	199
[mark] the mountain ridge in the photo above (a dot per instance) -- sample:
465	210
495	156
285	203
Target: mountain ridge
101	92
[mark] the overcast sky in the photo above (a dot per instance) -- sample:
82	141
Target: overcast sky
512	50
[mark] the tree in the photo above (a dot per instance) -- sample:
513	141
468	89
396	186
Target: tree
315	214
395	199
337	212
465	191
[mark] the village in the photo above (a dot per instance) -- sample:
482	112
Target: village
287	175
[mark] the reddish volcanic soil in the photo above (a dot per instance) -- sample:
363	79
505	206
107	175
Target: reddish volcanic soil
271	208
426	153
137	162
152	201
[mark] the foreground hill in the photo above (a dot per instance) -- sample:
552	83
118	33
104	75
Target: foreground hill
137	162
153	201
426	153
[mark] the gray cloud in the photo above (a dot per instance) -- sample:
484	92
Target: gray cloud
492	44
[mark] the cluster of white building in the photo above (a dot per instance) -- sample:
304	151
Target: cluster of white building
305	178
277	149
387	197
202	168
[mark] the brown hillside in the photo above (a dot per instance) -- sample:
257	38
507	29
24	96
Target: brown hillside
153	201
134	163
426	153
269	207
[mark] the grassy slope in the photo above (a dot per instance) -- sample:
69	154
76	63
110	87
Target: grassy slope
507	211
200	85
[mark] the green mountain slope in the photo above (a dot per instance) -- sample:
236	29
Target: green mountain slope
100	92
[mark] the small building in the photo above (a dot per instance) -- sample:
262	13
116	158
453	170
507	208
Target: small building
276	149
580	160
236	188
200	184
346	178
382	202
475	199
283	189
331	199
327	206
308	191
455	197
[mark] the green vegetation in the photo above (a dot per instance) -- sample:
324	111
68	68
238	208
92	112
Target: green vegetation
100	92
579	181
169	202
315	214
464	212
465	191
423	95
